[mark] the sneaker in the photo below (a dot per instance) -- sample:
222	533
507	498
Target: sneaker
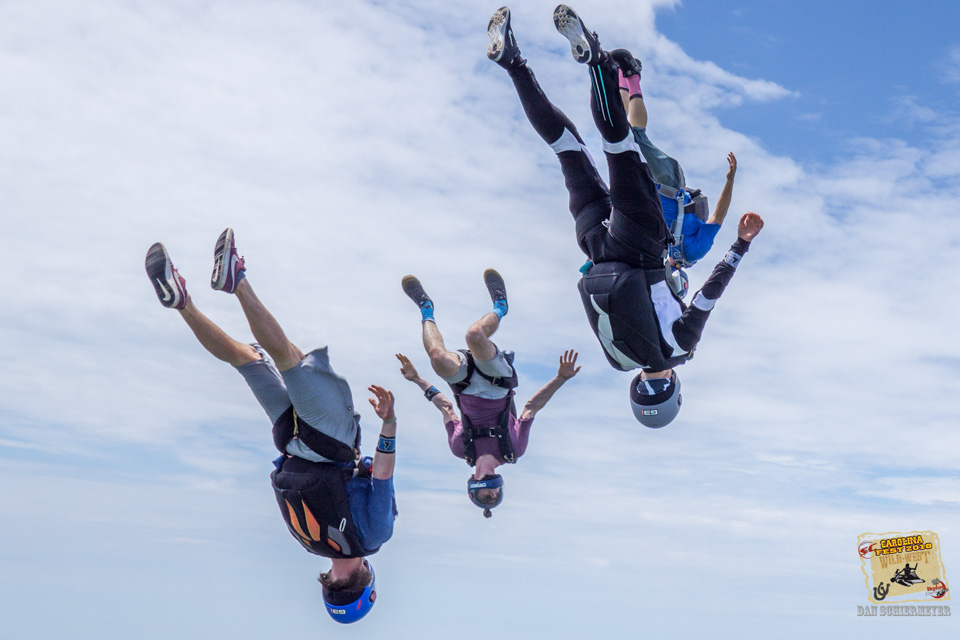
228	267
503	47
629	66
170	286
414	290
584	44
497	289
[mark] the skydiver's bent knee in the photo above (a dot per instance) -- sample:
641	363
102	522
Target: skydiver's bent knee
479	386
476	334
443	362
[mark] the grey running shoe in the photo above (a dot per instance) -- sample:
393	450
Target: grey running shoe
170	286
583	43
228	267
414	290
503	47
629	65
497	289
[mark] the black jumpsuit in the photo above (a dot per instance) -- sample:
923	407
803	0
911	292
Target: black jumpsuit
621	226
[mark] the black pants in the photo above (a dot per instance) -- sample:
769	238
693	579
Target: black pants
625	222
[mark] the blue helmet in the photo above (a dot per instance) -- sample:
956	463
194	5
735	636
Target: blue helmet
349	606
488	481
655	401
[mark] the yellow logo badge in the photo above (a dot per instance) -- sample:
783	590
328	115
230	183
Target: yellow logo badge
903	567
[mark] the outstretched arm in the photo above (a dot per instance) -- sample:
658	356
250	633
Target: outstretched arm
385	458
568	369
440	401
688	329
723	203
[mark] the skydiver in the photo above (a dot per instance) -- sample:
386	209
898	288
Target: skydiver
335	504
696	236
487	434
639	320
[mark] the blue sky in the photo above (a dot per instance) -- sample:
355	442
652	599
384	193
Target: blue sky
854	66
348	146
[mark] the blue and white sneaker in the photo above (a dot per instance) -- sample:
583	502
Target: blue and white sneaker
228	267
503	47
583	43
170	286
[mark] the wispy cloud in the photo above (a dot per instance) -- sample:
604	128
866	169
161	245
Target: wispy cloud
951	66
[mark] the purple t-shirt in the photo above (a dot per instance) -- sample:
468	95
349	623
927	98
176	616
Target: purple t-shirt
483	413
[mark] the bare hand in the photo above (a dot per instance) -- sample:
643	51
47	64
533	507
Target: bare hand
732	171
407	370
383	405
568	365
749	226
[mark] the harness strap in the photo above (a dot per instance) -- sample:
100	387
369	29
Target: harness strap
497	381
289	426
313	437
501	432
677	229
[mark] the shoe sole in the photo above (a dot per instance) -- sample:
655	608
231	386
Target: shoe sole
164	277
492	278
497	30
571	27
221	252
414	290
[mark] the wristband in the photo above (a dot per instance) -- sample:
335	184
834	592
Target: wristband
387	445
732	258
429	393
390	420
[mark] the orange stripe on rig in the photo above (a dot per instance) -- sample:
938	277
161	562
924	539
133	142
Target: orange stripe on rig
295	521
312	525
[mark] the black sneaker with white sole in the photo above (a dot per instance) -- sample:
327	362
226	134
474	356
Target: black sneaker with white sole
584	44
170	286
503	47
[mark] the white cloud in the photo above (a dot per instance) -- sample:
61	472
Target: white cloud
951	67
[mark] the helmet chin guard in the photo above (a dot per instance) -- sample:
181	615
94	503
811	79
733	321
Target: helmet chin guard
655	401
489	481
349	606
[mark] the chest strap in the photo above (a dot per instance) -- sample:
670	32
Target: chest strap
289	426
